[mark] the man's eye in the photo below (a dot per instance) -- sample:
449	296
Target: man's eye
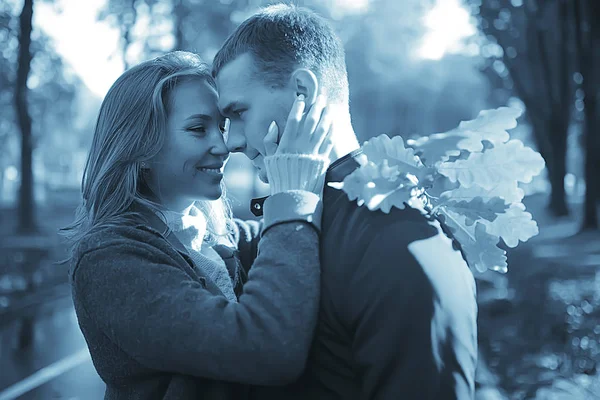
239	113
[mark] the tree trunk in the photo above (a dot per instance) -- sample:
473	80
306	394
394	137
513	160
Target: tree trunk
179	12
587	37
590	209
558	168
551	139
26	196
540	136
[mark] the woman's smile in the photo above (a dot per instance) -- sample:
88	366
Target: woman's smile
217	172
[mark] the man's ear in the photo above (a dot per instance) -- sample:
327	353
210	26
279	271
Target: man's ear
305	82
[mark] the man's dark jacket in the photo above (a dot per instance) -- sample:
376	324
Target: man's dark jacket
398	310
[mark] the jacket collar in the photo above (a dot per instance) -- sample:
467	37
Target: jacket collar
343	167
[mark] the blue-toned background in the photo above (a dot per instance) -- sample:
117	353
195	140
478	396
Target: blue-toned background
415	67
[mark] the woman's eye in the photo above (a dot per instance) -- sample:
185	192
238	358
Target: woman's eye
239	113
197	129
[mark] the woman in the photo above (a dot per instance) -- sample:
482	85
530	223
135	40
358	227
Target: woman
159	290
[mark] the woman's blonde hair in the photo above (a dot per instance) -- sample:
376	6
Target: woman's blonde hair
130	130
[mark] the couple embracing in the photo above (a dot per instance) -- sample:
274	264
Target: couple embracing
319	299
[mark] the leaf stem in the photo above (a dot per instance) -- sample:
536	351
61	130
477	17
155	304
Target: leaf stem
458	224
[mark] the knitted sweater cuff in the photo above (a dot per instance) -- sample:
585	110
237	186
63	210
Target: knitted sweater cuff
290	206
296	172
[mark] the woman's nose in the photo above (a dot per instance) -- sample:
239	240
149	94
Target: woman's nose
218	145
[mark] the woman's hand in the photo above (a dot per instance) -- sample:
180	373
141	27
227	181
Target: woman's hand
308	134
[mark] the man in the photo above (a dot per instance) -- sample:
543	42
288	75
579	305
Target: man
398	311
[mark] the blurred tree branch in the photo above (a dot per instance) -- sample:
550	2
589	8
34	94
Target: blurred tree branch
194	26
125	15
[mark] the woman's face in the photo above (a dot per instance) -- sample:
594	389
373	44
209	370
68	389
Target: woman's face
189	166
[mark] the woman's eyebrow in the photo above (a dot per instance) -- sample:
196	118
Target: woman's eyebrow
205	117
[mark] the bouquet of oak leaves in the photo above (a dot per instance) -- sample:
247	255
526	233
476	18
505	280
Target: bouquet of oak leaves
468	178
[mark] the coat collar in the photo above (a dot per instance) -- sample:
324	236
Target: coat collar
154	223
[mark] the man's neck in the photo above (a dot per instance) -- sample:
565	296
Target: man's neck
343	135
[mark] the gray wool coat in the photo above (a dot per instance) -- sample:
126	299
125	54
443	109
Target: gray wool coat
157	328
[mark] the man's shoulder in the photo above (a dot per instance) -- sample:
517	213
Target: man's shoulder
341	213
405	233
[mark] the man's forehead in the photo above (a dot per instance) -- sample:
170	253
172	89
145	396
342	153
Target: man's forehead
228	98
235	79
238	72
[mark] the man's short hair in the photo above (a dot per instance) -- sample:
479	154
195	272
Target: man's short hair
284	37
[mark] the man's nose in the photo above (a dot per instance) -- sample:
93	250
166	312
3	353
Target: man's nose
236	140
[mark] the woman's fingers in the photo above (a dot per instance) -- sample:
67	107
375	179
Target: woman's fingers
312	118
291	126
304	134
270	139
321	131
327	144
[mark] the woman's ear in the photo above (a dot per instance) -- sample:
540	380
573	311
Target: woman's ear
305	82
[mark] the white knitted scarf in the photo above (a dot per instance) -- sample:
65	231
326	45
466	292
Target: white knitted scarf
189	227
